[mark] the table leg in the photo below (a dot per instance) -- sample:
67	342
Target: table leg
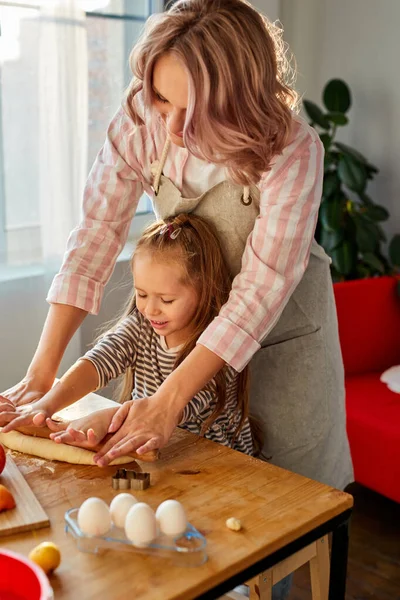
339	554
261	586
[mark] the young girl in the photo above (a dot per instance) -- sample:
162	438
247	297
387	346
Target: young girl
181	282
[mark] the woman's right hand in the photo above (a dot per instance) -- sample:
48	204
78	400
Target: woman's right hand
28	390
25	415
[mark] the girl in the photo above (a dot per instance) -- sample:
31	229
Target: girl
181	282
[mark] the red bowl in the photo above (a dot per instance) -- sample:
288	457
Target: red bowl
21	579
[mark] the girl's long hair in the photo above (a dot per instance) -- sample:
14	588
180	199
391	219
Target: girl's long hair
197	249
241	98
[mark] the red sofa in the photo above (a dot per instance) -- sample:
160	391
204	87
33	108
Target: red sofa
369	328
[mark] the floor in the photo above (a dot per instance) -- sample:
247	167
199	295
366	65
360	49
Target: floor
374	553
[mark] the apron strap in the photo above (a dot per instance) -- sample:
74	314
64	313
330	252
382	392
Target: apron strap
246	199
157	176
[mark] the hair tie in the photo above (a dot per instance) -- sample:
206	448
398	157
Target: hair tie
172	231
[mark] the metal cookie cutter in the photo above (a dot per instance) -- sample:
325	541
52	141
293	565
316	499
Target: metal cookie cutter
130	480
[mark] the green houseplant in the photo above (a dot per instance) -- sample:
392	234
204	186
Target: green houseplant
349	223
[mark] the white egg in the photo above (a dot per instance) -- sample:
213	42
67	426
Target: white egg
141	525
119	508
94	517
171	517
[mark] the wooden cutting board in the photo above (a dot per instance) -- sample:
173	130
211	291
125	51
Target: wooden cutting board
28	513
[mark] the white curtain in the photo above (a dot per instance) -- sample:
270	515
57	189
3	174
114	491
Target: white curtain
63	123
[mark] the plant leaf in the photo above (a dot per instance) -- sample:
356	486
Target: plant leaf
352	173
394	250
330	240
337	96
330	161
363	271
351	152
373	262
337	118
315	113
365	198
382	235
375	212
326	140
331	184
331	211
385	262
344	258
367	237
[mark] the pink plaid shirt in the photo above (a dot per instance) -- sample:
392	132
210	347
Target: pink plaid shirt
276	253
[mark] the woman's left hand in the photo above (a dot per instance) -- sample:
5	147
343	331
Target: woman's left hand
139	425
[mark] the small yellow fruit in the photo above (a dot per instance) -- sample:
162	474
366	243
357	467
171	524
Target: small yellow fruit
47	555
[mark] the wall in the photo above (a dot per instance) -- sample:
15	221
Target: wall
357	41
270	8
23	310
116	294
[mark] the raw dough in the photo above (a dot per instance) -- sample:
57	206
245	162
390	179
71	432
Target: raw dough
49	450
233	524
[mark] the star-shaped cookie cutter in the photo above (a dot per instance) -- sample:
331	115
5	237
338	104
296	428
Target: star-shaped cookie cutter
125	479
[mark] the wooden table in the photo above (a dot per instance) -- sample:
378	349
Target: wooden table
281	513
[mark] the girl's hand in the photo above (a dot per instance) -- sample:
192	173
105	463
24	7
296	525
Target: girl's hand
28	415
140	425
86	432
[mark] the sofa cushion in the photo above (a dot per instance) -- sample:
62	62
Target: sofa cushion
373	425
369	324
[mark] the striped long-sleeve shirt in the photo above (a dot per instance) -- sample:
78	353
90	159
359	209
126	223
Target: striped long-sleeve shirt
135	345
276	253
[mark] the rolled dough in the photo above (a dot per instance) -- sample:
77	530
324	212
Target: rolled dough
49	450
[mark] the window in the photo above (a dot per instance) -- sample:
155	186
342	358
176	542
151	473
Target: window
112	28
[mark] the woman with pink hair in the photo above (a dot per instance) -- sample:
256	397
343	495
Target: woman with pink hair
209	126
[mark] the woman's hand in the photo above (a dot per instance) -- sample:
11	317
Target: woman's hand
26	415
86	432
140	425
29	390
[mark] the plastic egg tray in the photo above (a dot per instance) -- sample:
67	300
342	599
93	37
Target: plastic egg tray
187	550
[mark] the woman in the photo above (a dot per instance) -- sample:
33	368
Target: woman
208	127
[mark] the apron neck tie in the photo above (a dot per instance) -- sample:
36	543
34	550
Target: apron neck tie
246	198
157	176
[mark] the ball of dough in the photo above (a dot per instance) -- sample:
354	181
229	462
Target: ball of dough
233	524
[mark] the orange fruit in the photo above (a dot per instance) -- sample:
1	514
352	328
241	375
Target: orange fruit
6	499
47	555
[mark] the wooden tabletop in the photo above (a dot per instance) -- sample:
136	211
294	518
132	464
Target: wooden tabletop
212	482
